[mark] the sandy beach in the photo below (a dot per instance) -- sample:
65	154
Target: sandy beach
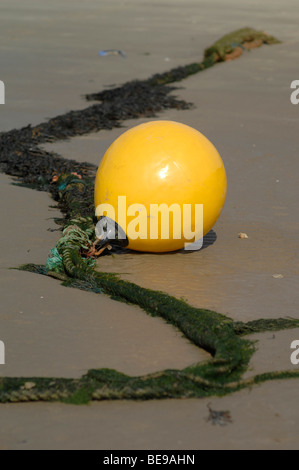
49	57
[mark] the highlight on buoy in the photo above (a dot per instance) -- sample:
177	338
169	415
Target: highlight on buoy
159	187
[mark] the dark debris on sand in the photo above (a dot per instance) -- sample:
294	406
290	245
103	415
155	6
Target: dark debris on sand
22	156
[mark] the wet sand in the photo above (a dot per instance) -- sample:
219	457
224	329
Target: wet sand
261	419
245	110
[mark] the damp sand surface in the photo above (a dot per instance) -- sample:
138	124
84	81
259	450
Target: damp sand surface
243	107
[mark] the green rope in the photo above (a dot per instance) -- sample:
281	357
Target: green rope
72	235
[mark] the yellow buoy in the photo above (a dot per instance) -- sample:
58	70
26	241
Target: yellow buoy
163	183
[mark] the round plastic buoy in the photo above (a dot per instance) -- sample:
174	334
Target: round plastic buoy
163	183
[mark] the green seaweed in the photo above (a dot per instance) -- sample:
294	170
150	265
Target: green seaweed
213	54
228	43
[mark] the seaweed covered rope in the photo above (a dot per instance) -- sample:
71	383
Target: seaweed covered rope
216	333
71	185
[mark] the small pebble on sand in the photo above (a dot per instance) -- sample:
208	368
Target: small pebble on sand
242	235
